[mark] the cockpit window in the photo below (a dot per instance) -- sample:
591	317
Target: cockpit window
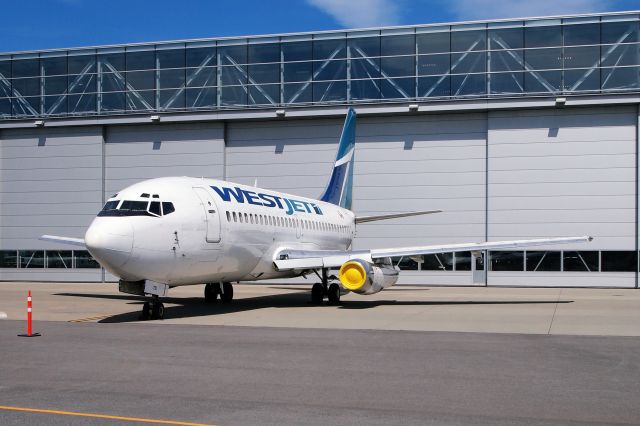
154	208
136	208
167	208
111	205
134	205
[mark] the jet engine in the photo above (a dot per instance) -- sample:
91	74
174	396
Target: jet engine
364	277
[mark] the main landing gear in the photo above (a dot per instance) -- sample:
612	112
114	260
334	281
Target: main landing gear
213	290
320	290
153	309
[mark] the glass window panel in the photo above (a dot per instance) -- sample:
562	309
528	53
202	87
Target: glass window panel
205	97
621	54
394	88
620	78
329	49
172	78
463	261
267	73
54	66
436	86
364	47
234	55
365	68
113	82
543	36
401	66
619	32
406	264
365	89
506	38
469	84
505	83
172	99
332	70
82	64
59	259
55	104
82	103
434	43
55	85
468	62
112	62
31	258
29	106
113	101
576	261
200	77
581	57
140	100
330	91
433	64
82	83
174	58
542	261
26	86
201	57
584	79
301	92
542	81
265	94
8	259
298	51
507	261
543	59
398	45
26	68
261	53
5	107
463	41
141	80
581	34
298	71
84	260
5	69
619	261
233	95
438	262
141	60
506	60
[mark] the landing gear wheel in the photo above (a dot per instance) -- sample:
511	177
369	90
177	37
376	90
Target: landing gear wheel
317	294
146	311
227	293
211	292
158	310
334	293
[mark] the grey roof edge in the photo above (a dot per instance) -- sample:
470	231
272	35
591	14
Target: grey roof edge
309	33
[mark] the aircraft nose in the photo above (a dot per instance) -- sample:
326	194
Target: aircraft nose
110	241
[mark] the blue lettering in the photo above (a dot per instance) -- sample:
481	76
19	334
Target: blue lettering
226	194
306	206
290	207
268	200
252	198
297	205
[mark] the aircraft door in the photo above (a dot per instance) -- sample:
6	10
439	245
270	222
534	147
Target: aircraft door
478	268
211	214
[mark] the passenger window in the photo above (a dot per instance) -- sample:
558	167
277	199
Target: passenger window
235	217
228	217
154	207
167	208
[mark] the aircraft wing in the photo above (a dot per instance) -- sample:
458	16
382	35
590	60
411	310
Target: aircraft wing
365	219
310	259
63	240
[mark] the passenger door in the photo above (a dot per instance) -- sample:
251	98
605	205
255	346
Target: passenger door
211	214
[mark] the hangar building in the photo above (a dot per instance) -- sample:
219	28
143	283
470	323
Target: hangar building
515	128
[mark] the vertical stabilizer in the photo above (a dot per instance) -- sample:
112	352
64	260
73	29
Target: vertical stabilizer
339	190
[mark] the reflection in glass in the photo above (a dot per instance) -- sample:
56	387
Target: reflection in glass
463	261
435	86
543	36
543	261
582	34
59	259
406	264
233	73
329	91
365	83
620	78
584	79
619	261
8	259
469	84
576	261
31	258
507	260
84	260
506	38
505	83
464	41
433	42
433	64
438	262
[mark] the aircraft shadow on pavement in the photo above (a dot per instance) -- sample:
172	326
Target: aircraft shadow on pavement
189	307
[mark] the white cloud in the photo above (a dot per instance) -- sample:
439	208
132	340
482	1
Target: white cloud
360	13
495	9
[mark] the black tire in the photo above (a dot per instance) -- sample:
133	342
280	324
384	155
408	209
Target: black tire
227	293
317	294
334	293
146	311
210	293
159	311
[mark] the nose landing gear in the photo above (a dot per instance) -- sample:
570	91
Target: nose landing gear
213	290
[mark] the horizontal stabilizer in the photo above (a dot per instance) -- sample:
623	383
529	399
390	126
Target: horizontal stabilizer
364	219
63	240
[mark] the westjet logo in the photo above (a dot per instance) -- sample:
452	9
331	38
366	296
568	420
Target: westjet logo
267	200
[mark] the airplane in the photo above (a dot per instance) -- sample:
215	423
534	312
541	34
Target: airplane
175	231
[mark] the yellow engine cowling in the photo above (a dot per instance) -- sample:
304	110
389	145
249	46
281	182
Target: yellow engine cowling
363	277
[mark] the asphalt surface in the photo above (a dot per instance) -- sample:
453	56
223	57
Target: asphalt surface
259	375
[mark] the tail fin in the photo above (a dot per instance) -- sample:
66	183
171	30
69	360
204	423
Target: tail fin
339	189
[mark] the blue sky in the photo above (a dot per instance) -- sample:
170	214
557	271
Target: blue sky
44	24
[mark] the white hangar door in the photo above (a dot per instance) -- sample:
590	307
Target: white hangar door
568	171
402	163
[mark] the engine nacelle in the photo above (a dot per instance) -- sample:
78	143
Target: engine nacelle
363	277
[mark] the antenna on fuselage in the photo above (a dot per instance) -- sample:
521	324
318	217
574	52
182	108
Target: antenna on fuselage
255	182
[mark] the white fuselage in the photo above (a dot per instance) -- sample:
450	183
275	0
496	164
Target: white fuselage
231	234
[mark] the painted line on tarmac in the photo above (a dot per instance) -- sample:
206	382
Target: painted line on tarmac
102	416
90	319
